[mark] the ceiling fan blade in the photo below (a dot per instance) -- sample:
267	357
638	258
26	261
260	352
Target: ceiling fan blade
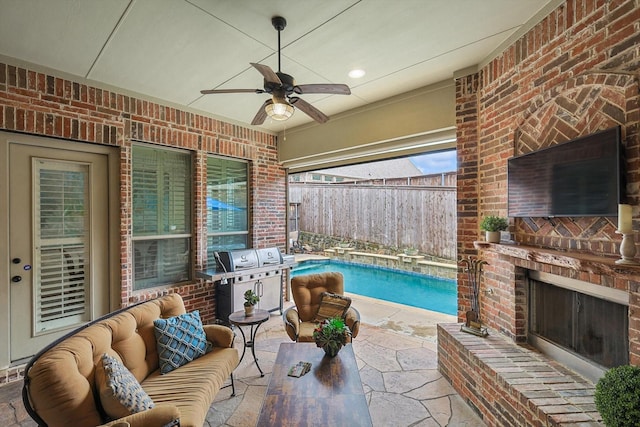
210	91
335	89
268	74
261	115
308	109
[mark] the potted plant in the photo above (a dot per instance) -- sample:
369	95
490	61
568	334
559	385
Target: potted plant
617	396
331	335
411	251
493	225
250	300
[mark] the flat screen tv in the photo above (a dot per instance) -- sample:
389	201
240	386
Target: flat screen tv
581	177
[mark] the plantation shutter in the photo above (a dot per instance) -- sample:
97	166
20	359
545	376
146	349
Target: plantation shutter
145	193
227	199
61	242
161	192
161	188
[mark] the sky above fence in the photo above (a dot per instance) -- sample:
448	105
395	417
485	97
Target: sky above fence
442	161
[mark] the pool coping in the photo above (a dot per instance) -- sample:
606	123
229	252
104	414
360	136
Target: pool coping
378	267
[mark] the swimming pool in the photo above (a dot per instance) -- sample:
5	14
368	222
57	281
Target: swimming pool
416	290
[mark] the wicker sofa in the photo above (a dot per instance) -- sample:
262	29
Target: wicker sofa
61	382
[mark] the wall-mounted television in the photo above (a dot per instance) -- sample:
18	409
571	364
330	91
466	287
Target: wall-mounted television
581	177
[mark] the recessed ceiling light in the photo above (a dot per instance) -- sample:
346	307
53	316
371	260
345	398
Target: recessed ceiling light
356	74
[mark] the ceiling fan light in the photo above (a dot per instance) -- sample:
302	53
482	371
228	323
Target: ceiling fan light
279	110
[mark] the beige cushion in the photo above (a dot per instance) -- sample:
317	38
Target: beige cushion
193	386
306	332
307	290
332	305
63	385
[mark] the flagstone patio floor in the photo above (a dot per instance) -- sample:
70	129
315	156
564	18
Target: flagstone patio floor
396	352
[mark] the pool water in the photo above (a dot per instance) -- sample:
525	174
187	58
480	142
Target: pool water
416	290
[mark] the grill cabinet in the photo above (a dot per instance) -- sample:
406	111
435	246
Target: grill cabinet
257	269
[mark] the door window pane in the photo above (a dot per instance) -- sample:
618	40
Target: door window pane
61	237
161	216
227	199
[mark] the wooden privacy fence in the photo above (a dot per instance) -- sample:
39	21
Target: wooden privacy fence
396	216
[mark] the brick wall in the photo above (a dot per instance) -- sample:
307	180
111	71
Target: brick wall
467	182
574	73
39	104
510	385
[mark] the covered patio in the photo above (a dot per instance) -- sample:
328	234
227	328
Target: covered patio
571	71
396	352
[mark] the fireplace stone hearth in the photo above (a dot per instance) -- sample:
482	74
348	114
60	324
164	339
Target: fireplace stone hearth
514	385
519	392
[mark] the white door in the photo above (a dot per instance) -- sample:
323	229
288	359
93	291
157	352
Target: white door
58	243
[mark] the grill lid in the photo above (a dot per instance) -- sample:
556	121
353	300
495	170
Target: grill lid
238	260
248	258
269	256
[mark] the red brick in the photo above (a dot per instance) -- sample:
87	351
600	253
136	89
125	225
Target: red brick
52	106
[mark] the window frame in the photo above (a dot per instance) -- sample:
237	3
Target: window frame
187	236
246	232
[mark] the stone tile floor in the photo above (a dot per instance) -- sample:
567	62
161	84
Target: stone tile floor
397	356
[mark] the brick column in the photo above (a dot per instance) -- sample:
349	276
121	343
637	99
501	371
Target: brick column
467	185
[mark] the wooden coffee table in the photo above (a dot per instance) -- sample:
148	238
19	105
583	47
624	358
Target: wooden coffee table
330	394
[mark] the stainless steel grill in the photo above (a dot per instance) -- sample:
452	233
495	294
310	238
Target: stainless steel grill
238	260
257	269
269	256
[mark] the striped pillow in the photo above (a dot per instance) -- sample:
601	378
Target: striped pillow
332	305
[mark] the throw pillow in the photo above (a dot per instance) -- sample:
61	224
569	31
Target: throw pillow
180	340
120	392
332	305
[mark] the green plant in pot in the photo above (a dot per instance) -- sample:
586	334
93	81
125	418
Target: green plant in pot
331	335
493	225
250	300
411	251
617	396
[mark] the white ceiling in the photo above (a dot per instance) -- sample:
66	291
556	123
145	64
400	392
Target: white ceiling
171	49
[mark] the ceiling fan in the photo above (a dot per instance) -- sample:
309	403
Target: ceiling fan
282	87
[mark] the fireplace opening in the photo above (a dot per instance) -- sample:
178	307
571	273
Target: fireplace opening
582	325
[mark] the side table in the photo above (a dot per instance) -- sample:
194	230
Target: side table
239	319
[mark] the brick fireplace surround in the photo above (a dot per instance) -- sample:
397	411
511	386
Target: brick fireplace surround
512	384
574	73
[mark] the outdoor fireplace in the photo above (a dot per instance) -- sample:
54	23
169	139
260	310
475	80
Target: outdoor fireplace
544	326
582	325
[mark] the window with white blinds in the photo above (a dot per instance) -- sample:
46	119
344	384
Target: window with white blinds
227	199
161	186
61	244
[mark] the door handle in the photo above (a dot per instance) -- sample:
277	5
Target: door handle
259	288
16	279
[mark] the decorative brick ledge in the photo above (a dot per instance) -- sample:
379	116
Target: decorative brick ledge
373	255
417	265
513	385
